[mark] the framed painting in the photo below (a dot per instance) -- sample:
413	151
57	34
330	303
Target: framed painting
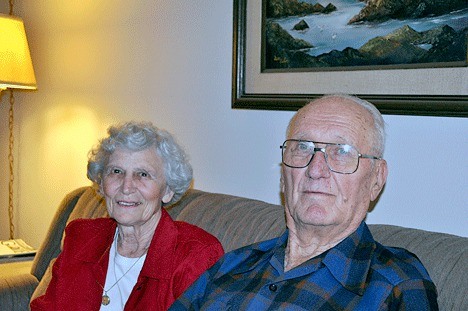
407	81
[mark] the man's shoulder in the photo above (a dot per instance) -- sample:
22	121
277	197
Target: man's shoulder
398	264
259	247
244	258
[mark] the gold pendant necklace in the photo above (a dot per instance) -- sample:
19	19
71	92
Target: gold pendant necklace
105	298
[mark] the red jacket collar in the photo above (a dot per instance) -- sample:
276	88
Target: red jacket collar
160	256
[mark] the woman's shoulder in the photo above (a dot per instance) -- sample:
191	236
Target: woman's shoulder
192	233
196	243
88	237
91	227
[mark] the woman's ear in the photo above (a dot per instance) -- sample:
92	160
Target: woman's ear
167	195
380	179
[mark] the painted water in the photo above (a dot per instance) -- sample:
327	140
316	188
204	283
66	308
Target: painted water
329	32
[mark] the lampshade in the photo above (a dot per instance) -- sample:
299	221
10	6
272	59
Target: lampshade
16	70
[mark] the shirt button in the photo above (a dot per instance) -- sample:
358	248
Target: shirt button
273	287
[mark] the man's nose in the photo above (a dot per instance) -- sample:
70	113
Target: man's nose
318	166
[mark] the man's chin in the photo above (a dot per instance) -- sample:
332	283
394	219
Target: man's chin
316	216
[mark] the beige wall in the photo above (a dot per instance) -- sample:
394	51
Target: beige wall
100	62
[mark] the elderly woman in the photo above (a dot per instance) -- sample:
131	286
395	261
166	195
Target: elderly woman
139	258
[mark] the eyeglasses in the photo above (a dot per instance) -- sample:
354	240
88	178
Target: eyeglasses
340	158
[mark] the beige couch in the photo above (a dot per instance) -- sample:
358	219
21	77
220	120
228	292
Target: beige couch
237	222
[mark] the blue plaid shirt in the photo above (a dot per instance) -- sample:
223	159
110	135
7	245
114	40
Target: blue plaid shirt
356	274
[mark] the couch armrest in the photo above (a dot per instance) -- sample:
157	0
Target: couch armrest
16	285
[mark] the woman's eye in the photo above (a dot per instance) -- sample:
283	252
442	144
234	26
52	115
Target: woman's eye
116	171
143	174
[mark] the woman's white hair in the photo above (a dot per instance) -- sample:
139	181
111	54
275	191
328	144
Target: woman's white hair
137	136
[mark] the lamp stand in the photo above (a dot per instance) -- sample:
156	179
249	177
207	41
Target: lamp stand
11	163
17	72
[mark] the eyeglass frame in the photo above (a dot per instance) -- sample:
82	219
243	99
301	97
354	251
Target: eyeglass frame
360	155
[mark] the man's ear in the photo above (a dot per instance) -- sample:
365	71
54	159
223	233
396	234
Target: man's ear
380	178
167	195
282	182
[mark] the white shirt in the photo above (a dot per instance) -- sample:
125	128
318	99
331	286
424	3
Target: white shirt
120	266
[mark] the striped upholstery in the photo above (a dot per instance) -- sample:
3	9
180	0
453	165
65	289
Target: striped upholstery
237	222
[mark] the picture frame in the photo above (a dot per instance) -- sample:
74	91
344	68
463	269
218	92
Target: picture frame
435	91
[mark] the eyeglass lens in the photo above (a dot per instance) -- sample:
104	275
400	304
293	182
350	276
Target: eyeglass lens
340	158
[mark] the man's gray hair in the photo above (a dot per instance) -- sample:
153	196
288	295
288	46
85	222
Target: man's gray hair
378	135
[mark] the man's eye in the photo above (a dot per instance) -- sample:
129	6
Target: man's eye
143	174
342	151
116	171
302	147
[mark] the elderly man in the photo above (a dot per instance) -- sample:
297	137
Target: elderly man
327	259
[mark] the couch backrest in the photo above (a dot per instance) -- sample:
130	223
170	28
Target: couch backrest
237	222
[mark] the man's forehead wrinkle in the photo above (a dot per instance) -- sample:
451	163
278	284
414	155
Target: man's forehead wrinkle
323	121
348	126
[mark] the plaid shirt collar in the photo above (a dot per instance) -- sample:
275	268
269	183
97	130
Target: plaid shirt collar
349	261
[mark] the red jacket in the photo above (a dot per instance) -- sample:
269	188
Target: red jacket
178	254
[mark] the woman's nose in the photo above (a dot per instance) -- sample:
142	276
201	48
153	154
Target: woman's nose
128	184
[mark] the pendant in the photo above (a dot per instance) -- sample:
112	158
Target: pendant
105	300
